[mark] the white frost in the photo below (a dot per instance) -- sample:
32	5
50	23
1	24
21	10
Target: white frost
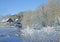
46	34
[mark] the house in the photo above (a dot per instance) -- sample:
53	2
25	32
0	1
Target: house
10	22
17	23
7	22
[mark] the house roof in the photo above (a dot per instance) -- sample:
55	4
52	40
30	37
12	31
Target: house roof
9	20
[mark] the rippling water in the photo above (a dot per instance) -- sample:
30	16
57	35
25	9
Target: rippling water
8	35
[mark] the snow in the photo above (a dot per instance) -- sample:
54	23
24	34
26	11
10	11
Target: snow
46	34
29	34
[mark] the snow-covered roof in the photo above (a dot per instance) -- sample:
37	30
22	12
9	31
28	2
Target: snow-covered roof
17	21
4	20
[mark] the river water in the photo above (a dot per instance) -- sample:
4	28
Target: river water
9	35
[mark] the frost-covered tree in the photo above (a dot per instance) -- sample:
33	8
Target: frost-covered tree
53	10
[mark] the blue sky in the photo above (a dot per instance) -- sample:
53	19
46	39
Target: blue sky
15	6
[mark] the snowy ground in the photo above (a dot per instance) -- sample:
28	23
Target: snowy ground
46	34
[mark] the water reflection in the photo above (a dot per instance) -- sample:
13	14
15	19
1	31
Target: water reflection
9	35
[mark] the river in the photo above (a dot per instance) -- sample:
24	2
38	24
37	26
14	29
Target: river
9	35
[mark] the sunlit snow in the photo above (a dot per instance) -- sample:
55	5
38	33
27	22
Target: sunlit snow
46	34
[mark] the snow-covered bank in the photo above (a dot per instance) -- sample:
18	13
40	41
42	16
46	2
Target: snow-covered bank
46	34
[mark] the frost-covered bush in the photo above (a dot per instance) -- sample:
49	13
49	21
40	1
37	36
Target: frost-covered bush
46	34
